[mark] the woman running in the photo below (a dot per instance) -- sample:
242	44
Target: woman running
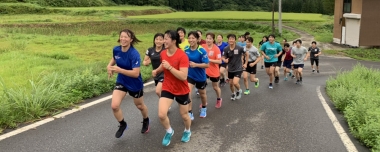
241	41
197	72
270	51
287	60
265	39
253	59
184	42
127	60
223	66
152	55
174	64
212	71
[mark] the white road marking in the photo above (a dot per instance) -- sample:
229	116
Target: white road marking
339	129
61	115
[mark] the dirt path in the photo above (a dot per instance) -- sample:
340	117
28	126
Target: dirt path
307	39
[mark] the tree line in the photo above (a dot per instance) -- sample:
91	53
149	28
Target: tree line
295	6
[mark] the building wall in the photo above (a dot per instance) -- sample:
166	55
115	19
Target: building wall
338	14
370	23
356	8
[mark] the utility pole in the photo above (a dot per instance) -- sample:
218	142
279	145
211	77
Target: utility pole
279	17
273	16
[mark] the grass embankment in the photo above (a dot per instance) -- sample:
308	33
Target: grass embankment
359	54
322	31
50	66
234	15
357	94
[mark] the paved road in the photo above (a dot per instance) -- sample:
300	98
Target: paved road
288	118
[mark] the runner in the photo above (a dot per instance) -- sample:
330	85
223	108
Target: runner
253	59
152	55
314	55
299	54
184	42
270	51
212	71
175	64
241	41
200	40
223	66
278	65
287	60
232	55
127	60
197	72
265	39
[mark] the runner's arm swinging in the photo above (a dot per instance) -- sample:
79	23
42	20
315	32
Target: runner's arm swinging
180	74
146	61
217	61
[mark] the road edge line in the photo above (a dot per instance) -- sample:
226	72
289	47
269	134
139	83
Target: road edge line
338	127
60	115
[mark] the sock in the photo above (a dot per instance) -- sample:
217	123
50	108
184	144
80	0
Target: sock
203	106
217	98
122	123
187	130
300	78
270	84
170	130
190	111
146	119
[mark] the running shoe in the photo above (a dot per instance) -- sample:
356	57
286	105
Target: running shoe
145	126
270	86
121	130
293	76
246	92
233	97
262	67
285	79
257	83
276	80
298	81
238	94
191	115
218	103
317	71
186	136
203	113
167	138
290	74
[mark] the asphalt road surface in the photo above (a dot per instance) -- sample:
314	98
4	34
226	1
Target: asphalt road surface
288	118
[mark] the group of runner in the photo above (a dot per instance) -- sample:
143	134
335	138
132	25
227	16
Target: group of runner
183	62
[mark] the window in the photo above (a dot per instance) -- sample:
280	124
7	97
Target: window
347	6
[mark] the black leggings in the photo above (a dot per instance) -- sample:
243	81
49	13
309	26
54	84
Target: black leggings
316	62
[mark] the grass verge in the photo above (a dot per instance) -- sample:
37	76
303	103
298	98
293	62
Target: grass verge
359	54
322	31
357	94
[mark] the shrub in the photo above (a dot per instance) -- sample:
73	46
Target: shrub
356	94
25	8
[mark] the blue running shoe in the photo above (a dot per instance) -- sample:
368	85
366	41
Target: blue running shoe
167	138
203	113
191	115
186	136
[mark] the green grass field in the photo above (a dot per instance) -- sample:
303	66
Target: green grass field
234	15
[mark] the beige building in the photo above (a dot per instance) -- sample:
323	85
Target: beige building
357	22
